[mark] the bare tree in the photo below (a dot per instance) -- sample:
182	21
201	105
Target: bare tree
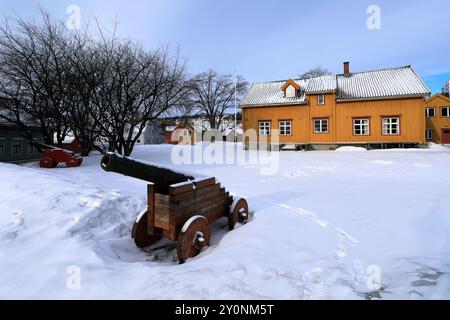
315	72
93	87
139	87
212	94
87	67
32	81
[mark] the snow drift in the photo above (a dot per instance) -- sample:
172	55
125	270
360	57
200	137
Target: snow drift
326	226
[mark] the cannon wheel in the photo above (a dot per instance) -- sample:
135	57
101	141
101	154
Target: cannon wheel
194	236
139	232
48	163
73	162
238	213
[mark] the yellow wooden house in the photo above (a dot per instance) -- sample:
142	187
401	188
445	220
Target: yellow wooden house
376	109
437	113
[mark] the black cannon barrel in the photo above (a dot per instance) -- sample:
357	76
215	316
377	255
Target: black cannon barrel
161	177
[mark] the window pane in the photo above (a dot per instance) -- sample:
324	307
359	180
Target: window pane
321	99
325	126
290	92
361	126
264	128
16	147
365	128
31	148
445	112
391	125
285	127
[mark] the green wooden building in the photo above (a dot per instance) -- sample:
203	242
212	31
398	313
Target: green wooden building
14	147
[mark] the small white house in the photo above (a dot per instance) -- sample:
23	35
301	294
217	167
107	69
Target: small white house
231	135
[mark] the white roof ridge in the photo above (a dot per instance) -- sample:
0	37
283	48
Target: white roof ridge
376	70
334	75
296	79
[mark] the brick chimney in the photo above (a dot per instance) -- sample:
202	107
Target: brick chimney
346	68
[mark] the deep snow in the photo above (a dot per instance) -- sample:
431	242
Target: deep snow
323	228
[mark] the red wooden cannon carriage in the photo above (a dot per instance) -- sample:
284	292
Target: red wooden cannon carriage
180	211
51	158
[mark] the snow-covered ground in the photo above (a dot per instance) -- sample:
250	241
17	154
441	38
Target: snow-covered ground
328	225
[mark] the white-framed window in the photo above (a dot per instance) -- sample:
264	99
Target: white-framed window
285	127
2	147
429	134
391	126
445	111
290	91
16	147
430	112
264	128
321	99
361	127
320	125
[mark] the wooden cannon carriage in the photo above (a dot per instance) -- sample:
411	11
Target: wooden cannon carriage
52	156
179	207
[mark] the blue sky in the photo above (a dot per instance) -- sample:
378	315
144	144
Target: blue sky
271	40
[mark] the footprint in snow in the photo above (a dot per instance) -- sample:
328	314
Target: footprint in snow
344	239
308	214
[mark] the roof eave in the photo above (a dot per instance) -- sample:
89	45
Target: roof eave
422	95
272	104
320	91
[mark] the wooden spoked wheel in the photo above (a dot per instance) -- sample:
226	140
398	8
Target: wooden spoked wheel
194	236
48	163
73	162
140	234
238	213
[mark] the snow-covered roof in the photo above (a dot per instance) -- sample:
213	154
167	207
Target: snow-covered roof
321	84
270	93
393	82
229	131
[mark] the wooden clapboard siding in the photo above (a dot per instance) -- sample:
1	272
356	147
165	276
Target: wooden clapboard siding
410	111
326	111
298	114
340	119
437	123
